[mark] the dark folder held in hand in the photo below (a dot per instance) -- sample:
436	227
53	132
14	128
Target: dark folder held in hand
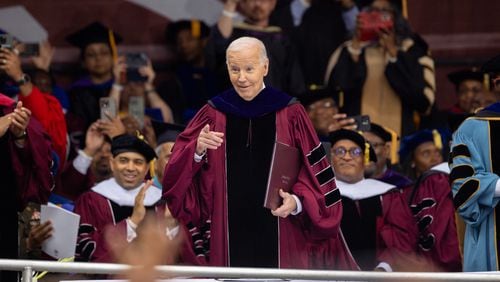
285	166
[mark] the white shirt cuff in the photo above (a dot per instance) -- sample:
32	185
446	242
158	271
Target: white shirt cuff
82	162
497	189
198	158
172	233
131	234
299	205
385	266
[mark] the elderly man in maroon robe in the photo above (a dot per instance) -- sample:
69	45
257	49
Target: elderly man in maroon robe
25	170
215	182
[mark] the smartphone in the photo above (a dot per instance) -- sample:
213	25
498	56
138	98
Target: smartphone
362	122
135	61
108	108
30	50
136	109
372	22
6	41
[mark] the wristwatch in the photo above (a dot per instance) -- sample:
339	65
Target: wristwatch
23	80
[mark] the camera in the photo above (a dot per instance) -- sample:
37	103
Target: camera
135	61
372	22
6	41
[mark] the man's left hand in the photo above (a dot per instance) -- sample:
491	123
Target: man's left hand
10	63
288	206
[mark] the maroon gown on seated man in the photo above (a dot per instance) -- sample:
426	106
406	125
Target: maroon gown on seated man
205	196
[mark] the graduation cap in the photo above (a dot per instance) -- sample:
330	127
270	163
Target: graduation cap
129	143
357	138
198	29
492	66
166	132
388	135
458	77
95	32
411	142
316	95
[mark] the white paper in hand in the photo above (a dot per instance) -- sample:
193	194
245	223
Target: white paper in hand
62	244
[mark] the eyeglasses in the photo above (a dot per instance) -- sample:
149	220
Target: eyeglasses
340	152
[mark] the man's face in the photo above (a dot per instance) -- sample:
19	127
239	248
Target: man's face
321	114
349	167
97	59
163	158
425	156
247	71
189	47
468	91
257	10
43	81
101	162
129	169
382	150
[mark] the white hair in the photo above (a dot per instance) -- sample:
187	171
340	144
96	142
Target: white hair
245	43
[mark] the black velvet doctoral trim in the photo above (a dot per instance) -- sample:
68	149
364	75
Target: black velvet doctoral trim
426	242
359	225
465	191
267	101
332	197
461	171
316	155
424	204
424	222
460	151
325	176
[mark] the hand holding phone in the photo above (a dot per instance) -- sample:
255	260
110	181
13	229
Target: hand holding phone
362	122
108	108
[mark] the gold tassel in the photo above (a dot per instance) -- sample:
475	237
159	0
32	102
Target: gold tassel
486	82
152	164
367	153
195	28
341	99
437	139
112	44
394	145
404	8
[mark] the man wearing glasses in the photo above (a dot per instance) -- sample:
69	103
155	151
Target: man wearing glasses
376	222
475	170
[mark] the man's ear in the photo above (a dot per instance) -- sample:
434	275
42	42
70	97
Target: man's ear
266	67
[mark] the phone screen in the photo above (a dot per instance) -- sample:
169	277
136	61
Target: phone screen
108	108
362	122
136	109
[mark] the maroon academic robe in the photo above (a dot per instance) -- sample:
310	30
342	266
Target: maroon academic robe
96	216
378	225
71	183
196	193
432	207
26	177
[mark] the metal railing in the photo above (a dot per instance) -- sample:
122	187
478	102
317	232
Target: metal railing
28	266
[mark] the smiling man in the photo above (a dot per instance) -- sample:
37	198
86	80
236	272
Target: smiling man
215	182
376	222
120	201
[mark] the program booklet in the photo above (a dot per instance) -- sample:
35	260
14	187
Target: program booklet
285	166
62	244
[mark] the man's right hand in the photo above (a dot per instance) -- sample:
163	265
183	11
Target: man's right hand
139	209
93	139
208	140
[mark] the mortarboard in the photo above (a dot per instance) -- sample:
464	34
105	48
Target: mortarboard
467	74
313	96
411	142
93	33
129	143
380	132
166	132
355	137
492	66
198	29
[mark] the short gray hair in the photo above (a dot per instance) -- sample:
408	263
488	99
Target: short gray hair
247	42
